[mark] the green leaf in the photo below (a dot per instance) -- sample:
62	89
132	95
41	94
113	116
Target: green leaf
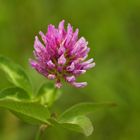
16	74
14	93
74	118
81	109
16	100
80	124
32	111
47	94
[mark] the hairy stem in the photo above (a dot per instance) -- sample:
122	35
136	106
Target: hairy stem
40	132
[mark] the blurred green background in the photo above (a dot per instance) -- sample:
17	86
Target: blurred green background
112	28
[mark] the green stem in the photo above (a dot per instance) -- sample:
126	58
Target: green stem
40	132
38	135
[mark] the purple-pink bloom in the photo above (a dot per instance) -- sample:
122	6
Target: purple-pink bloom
61	55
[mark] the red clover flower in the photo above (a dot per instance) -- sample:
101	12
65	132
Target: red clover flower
61	55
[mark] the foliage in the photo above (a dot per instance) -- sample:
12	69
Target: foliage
112	30
31	109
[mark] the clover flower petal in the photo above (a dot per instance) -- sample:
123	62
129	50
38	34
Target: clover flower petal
61	55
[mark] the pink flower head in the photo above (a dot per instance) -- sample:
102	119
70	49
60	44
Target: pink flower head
61	55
